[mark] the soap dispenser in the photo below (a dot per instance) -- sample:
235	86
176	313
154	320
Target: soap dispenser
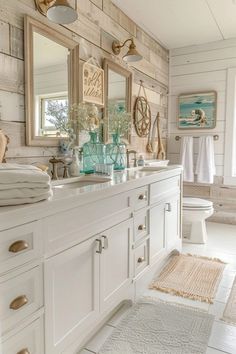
140	161
75	165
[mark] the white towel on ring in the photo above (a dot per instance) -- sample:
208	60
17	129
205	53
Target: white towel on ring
15	173
186	158
205	168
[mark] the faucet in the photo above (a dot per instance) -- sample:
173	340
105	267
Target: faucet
128	152
54	161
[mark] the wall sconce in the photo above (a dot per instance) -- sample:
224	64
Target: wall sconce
132	55
58	11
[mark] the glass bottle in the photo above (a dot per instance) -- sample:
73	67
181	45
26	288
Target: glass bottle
116	152
93	153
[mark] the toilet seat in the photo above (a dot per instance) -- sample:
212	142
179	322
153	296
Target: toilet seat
196	204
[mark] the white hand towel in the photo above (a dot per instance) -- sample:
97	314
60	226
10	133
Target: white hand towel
13	173
19	201
205	168
186	158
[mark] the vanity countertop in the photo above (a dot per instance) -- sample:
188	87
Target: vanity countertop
68	198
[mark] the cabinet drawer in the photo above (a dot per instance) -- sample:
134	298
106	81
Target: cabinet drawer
20	296
140	198
27	341
19	245
141	257
141	225
160	189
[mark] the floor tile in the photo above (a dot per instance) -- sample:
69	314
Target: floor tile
217	309
222	294
223	337
227	279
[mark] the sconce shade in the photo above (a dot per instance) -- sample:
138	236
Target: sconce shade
58	11
61	12
132	55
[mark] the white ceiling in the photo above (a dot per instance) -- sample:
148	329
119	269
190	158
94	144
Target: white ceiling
179	23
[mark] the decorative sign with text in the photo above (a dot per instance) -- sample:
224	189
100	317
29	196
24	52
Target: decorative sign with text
93	84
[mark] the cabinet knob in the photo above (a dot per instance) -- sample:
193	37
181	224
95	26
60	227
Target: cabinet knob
24	351
105	242
168	207
18	246
141	259
99	246
142	197
142	227
17	303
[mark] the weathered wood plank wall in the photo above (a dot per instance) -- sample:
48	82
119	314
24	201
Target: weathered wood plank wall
99	23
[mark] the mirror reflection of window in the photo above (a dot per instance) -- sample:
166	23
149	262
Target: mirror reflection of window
117	91
50	69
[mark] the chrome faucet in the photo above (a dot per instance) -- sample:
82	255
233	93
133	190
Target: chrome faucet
128	152
54	161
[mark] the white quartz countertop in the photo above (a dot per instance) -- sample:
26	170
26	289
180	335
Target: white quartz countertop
65	198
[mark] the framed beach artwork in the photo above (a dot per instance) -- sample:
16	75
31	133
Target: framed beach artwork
197	110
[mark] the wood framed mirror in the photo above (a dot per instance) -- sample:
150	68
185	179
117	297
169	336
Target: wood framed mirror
118	91
51	82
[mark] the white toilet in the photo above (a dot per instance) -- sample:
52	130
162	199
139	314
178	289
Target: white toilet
195	212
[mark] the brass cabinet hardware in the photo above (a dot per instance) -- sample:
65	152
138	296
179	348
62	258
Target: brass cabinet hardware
18	246
17	303
141	259
142	227
142	197
99	246
105	242
24	351
168	207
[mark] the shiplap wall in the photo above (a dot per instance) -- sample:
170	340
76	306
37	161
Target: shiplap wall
99	23
195	69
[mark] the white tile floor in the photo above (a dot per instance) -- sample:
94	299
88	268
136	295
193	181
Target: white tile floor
221	244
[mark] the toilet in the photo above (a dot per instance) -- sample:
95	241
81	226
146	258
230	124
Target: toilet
195	212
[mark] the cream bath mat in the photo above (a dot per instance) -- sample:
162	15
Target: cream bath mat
157	327
230	308
190	276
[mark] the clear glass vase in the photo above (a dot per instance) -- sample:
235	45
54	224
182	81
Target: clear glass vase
93	153
116	153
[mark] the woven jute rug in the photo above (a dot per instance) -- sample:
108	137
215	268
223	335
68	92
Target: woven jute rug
190	276
157	327
229	314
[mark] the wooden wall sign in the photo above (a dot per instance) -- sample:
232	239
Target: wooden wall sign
93	84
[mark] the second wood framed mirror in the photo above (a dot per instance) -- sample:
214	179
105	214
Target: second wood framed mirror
118	92
52	82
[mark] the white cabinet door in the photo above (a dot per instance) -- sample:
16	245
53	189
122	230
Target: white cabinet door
157	231
116	265
71	294
172	223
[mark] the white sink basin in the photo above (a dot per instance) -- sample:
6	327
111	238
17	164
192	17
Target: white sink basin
78	182
153	168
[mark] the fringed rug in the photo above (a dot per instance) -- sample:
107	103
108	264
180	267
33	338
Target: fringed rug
157	327
230	309
190	276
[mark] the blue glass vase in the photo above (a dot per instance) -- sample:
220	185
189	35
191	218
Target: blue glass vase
93	153
116	153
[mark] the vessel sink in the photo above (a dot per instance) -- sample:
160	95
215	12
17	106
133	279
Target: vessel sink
153	168
78	182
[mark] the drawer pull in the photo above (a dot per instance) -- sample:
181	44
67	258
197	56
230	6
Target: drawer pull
24	351
18	246
105	244
142	227
141	259
99	246
142	197
168	207
17	303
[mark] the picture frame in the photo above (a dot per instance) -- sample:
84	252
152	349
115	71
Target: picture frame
197	110
93	84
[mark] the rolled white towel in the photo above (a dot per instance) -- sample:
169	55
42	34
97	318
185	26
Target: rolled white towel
14	173
19	201
23	193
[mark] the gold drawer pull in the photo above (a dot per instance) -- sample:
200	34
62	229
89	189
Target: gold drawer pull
17	303
142	227
141	259
24	351
18	246
142	197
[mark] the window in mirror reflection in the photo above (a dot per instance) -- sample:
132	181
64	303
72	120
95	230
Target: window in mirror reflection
50	69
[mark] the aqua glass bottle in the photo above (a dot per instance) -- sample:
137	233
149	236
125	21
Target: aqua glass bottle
93	153
116	152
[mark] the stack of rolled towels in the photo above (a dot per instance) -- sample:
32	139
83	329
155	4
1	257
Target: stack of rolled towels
23	184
